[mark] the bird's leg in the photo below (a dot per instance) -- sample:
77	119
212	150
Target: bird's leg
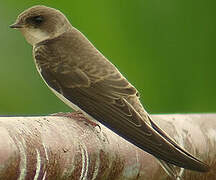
82	117
77	115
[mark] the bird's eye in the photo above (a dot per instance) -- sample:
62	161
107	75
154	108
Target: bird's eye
37	20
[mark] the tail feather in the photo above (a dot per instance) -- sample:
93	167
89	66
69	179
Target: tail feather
197	165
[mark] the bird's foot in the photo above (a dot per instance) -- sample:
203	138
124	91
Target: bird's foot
82	117
79	116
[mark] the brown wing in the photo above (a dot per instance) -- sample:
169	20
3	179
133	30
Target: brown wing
102	92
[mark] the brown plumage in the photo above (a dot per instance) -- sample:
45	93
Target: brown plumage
82	77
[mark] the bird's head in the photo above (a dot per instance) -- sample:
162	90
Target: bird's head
39	23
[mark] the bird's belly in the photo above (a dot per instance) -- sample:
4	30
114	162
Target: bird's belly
70	104
65	100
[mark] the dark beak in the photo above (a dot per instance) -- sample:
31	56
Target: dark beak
16	25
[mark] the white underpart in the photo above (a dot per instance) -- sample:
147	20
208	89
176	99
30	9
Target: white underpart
70	104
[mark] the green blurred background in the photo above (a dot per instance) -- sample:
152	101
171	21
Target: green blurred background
165	48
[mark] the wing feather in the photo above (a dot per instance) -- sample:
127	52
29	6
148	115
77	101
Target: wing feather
101	91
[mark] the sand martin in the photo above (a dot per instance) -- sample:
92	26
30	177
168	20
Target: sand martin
86	81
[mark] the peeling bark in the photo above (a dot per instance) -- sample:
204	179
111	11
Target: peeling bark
61	148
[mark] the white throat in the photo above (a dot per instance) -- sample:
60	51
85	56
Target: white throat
34	36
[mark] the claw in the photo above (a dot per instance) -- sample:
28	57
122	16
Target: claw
78	115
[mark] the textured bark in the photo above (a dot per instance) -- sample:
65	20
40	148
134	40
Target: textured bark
61	148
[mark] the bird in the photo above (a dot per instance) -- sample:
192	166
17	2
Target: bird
83	78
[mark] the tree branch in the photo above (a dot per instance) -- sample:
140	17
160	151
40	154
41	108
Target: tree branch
51	147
